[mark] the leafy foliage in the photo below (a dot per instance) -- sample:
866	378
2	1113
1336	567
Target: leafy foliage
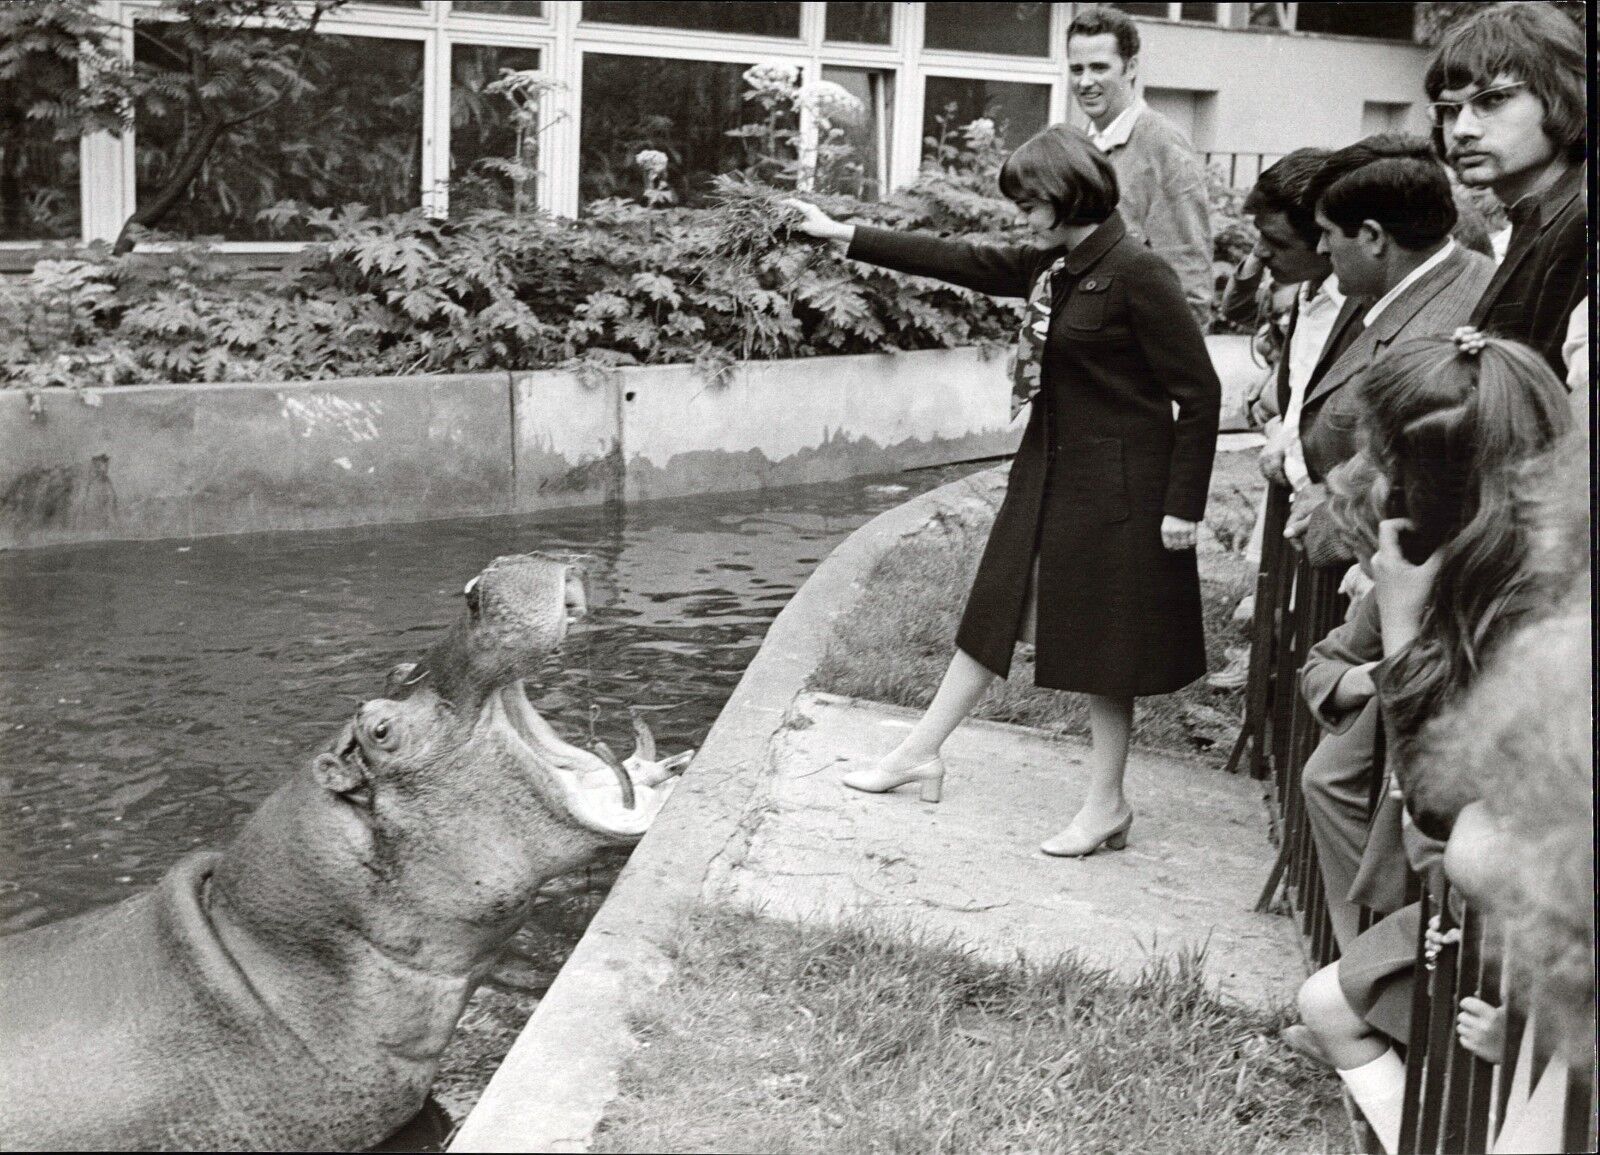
403	293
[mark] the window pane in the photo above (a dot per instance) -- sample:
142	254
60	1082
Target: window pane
38	174
683	108
481	127
1018	110
1203	12
860	171
353	132
1384	21
1012	29
1156	11
709	15
858	23
500	7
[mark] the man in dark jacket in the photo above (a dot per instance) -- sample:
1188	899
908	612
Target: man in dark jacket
1385	209
1509	113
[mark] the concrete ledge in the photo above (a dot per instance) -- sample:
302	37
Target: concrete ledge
153	461
552	1089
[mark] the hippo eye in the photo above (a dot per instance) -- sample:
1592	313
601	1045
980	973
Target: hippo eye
380	732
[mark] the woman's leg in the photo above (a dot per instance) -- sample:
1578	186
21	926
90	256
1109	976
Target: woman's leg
1104	818
1369	1067
1110	728
965	682
963	687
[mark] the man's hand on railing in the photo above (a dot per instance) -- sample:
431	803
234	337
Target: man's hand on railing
1305	503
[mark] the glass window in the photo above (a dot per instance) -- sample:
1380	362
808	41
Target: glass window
858	23
1382	21
38	174
1206	13
758	19
351	132
481	126
858	171
1154	11
682	108
1018	110
500	7
1012	29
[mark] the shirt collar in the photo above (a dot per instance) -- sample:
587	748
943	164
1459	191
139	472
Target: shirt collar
1410	279
1531	206
1328	291
1119	130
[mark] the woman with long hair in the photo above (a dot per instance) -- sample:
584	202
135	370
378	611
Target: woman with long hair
1449	422
1092	553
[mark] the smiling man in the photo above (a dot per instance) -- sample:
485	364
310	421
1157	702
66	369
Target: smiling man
1161	179
1509	109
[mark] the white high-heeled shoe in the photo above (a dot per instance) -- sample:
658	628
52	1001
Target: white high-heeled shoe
1074	842
877	780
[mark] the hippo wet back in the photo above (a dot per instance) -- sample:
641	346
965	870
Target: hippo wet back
295	990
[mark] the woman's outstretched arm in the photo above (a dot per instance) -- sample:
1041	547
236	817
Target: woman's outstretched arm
999	270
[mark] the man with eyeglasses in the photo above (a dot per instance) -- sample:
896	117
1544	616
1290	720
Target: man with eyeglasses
1509	111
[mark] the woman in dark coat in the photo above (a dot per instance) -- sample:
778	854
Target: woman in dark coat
1092	553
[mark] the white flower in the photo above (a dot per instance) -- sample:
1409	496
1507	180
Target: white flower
831	101
653	161
772	76
980	133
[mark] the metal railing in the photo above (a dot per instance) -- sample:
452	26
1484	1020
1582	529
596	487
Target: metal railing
1240	169
1455	1102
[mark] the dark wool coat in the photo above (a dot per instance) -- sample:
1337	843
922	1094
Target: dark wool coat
1545	274
1101	461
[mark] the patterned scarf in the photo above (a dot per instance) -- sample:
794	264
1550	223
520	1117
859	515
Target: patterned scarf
1028	363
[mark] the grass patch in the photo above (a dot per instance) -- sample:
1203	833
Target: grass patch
895	643
774	1036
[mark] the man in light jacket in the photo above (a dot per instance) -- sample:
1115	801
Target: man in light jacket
1161	177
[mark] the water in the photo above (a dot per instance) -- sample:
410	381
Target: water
151	693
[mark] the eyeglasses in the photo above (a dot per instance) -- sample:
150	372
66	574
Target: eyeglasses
1484	104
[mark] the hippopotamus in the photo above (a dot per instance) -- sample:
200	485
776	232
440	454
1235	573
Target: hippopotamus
294	990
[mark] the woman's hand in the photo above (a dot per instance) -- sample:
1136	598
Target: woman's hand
818	224
1176	533
1402	589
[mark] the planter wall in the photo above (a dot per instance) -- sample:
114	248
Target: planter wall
185	460
150	461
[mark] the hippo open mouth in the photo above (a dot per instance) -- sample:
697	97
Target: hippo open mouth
600	794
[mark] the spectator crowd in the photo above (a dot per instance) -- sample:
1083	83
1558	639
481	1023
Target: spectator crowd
1427	452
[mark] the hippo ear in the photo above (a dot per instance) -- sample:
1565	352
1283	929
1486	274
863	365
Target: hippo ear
338	776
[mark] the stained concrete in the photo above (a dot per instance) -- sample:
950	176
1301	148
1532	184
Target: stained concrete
151	461
969	868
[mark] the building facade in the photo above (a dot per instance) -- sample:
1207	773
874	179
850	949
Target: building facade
396	116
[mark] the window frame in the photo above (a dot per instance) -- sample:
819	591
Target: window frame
107	188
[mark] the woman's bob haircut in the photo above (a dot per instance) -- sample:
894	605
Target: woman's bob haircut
1062	168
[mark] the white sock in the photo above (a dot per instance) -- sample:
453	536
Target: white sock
1379	1089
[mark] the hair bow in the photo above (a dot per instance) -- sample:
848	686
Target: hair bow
1469	340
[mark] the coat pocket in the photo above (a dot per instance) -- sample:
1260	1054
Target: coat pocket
1093	477
1085	310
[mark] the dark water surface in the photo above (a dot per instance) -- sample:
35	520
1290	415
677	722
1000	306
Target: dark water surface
151	693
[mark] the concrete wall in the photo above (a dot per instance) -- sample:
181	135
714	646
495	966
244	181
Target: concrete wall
151	461
185	460
1274	92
